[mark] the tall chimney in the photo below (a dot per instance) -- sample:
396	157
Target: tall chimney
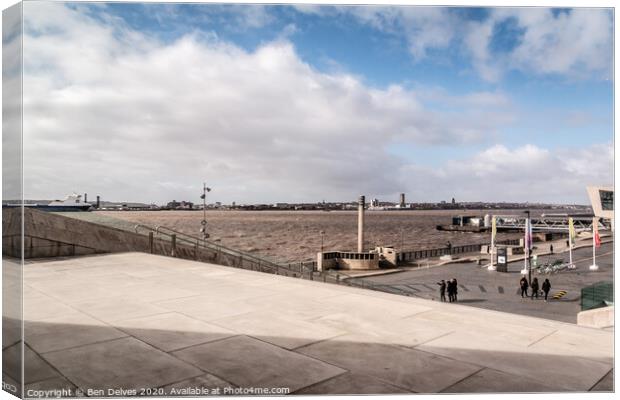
85	197
360	224
402	200
97	202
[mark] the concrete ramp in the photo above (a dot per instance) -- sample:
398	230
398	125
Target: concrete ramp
56	235
133	320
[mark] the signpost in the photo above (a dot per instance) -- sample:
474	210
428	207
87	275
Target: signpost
502	259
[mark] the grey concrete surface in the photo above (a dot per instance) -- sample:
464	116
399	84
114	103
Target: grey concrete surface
224	327
479	287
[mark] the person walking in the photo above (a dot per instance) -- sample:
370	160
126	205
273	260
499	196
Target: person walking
535	288
524	285
442	290
551	248
546	286
455	289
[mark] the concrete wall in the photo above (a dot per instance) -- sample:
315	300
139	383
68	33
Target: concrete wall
51	235
597	318
347	260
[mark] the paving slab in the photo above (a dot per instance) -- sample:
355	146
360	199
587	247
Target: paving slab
566	371
172	331
248	362
44	307
606	384
404	332
115	308
492	381
282	330
407	368
67	331
35	368
597	344
208	309
124	363
350	383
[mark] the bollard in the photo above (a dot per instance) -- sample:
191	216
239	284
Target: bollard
151	242
174	245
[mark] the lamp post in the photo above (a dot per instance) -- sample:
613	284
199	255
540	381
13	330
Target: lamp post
322	236
203	196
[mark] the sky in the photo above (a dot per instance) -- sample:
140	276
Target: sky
145	102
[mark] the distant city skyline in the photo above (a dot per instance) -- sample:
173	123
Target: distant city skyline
144	102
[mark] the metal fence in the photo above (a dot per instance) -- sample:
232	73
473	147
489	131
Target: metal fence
600	294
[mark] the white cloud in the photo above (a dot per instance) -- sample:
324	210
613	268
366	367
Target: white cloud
111	111
577	44
525	173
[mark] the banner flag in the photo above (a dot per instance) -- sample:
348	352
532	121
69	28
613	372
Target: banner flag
596	236
571	230
493	230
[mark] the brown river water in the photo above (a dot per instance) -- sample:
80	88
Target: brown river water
292	236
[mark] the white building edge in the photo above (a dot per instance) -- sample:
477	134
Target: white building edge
602	200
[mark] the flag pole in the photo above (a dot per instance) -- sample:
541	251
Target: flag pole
594	267
570	241
493	232
524	271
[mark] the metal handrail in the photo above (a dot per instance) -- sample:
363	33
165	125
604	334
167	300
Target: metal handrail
196	241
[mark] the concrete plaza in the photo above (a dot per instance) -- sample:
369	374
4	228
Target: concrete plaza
134	321
479	287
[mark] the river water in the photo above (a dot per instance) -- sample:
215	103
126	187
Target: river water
291	236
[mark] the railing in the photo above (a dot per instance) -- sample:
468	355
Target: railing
549	224
421	254
178	237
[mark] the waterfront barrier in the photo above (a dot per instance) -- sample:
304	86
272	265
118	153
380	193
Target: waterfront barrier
413	255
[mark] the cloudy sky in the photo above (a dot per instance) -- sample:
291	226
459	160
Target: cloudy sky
144	102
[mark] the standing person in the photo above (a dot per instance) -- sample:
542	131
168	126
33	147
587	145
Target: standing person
450	292
442	290
455	289
535	288
551	248
524	285
546	286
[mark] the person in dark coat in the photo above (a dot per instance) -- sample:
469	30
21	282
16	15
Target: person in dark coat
455	289
551	249
524	285
450	287
442	290
534	288
546	287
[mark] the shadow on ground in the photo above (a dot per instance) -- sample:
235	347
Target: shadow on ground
115	360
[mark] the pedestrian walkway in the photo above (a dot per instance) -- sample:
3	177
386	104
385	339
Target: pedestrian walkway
135	320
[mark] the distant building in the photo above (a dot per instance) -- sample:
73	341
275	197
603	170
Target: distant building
402	200
183	205
453	201
602	200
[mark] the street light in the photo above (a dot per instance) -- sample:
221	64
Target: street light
203	196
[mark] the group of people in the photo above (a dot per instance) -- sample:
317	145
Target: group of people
451	287
524	284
